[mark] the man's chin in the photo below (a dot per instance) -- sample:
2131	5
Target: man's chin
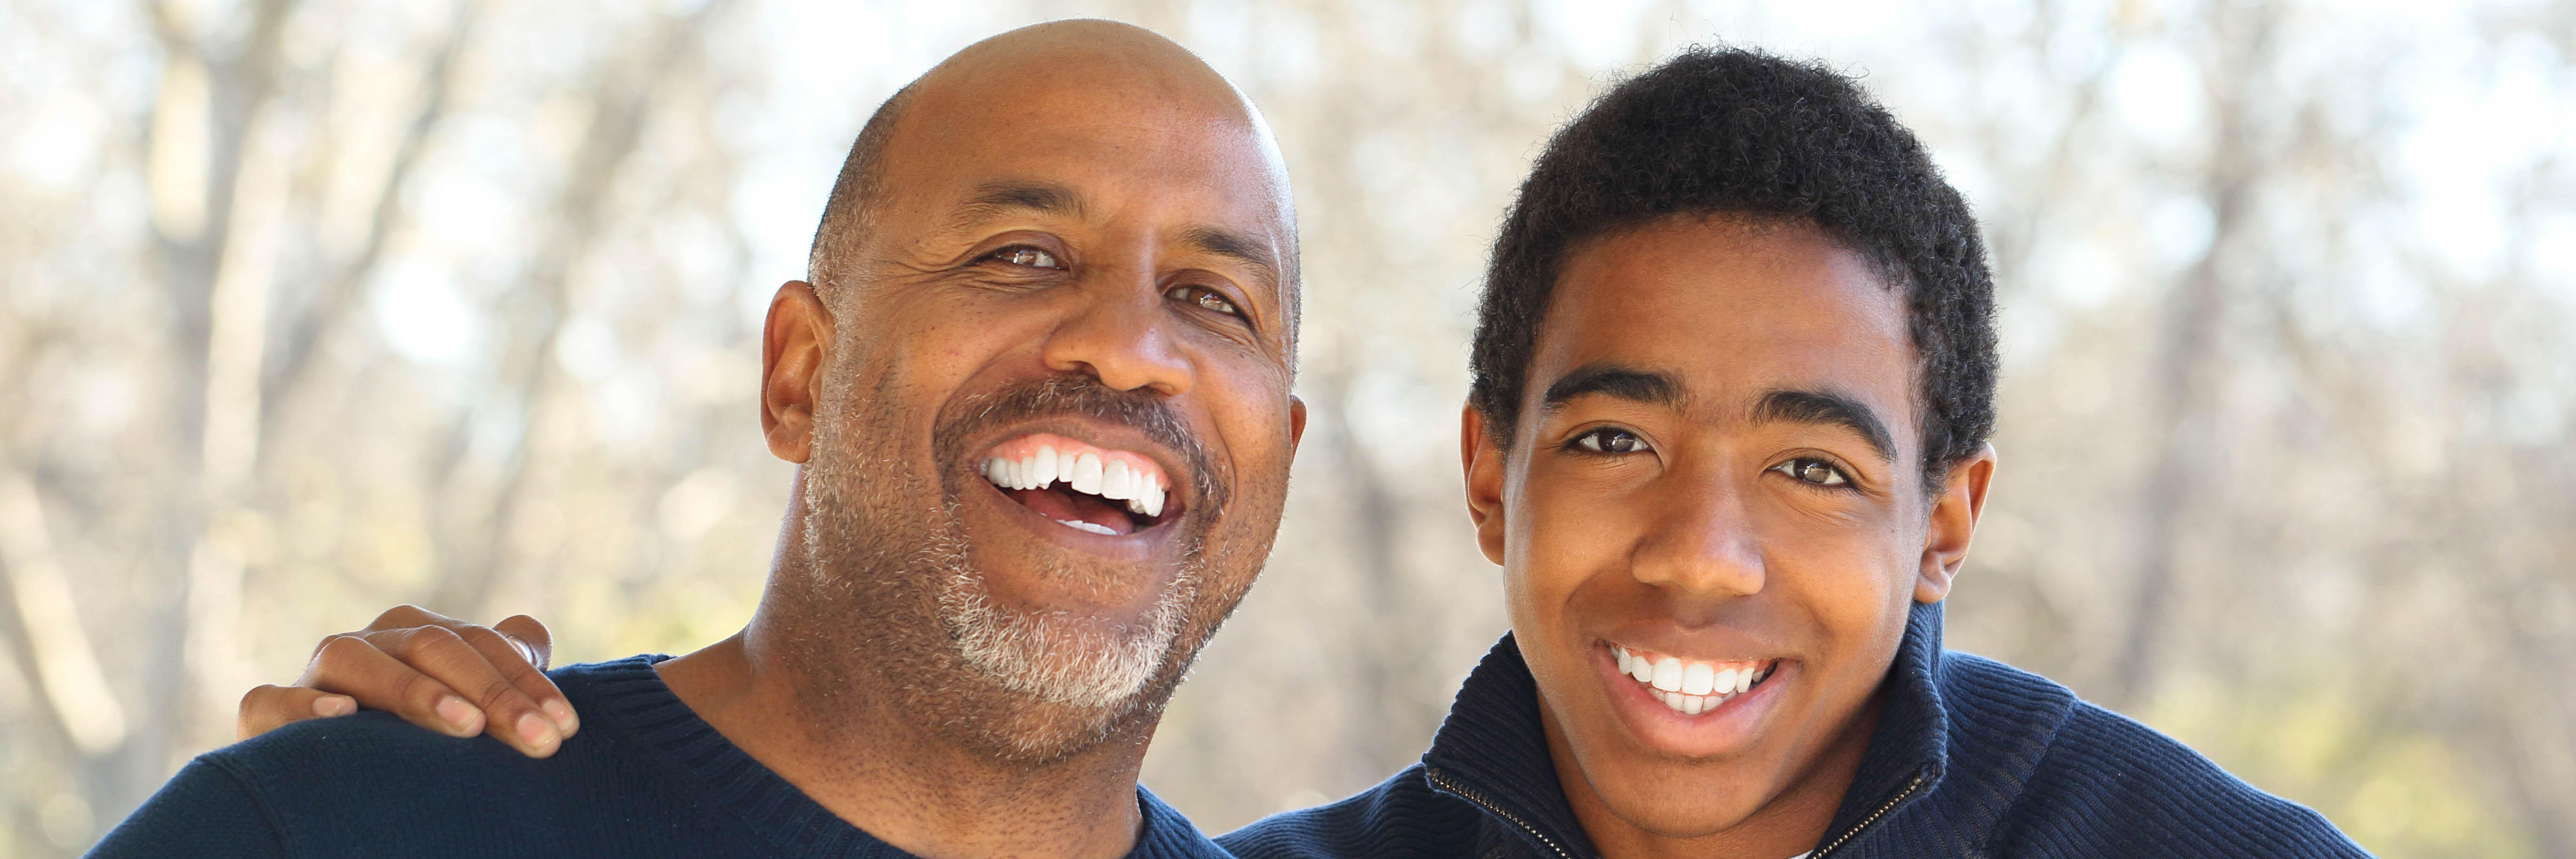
1004	720
1033	732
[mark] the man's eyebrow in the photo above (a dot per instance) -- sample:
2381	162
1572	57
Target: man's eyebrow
1827	408
1233	245
995	198
1616	381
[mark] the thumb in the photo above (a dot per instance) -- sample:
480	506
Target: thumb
530	636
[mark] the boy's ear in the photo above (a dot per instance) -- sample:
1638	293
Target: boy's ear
1953	524
1482	461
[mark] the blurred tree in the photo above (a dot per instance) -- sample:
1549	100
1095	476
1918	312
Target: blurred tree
316	306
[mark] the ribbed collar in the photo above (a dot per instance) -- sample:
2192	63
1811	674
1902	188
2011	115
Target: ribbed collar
1909	753
640	709
1492	749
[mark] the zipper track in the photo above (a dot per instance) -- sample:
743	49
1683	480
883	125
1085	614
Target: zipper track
1873	817
1447	784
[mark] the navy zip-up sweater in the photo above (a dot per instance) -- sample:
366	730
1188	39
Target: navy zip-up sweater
645	777
1970	758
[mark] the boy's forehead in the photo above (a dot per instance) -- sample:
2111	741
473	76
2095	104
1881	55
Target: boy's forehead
1731	308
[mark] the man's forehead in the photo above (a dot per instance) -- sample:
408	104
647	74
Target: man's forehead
1121	141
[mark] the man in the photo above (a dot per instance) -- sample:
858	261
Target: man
1039	387
1734	379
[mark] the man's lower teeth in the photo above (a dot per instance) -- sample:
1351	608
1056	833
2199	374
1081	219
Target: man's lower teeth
1080	525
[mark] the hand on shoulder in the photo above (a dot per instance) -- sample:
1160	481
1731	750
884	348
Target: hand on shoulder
434	671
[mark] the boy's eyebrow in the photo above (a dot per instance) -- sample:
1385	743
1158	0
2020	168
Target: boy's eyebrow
1617	381
1827	408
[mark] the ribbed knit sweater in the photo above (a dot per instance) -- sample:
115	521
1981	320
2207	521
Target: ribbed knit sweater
1970	758
644	778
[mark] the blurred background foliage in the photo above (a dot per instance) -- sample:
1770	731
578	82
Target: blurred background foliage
312	307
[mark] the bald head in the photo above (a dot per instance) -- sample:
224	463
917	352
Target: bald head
1128	90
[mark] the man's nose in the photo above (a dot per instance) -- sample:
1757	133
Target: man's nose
1700	542
1121	335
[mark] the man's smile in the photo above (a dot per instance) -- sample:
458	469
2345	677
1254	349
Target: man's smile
1079	485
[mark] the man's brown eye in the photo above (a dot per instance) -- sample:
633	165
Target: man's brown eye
1030	257
1209	299
1811	470
1608	440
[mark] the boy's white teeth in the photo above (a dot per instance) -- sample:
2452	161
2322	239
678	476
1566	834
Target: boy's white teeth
1691	688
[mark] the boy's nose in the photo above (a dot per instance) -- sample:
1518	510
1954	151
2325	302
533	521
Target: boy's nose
1703	542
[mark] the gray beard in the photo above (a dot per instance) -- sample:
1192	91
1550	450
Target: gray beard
893	603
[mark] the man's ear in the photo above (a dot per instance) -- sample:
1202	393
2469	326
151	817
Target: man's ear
1953	524
1482	460
795	347
1296	424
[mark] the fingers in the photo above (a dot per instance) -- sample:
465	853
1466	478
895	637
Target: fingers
536	646
409	616
491	674
434	671
353	666
526	630
518	660
269	707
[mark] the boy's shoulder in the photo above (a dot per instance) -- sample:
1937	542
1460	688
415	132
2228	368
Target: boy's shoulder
1403	817
2074	778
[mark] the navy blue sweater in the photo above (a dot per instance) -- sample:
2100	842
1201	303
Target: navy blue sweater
645	777
1970	758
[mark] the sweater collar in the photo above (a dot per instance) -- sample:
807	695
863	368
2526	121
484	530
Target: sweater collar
641	708
1492	749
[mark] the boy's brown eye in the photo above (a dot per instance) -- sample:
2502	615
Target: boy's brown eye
1610	440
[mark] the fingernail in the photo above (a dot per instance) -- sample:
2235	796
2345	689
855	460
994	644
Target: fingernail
534	731
334	705
561	712
456	713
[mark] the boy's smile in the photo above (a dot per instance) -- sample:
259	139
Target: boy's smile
1713	521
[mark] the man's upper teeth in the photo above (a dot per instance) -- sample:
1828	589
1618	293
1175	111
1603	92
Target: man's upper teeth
1084	471
1681	684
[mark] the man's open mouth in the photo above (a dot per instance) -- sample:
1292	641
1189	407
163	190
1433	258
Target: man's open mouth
1080	486
1691	687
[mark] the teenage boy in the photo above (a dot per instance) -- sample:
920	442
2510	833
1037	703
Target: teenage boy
1734	378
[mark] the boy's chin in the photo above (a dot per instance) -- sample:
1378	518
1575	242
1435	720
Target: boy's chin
1696	801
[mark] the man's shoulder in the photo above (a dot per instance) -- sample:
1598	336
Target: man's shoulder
2091	779
1402	816
371	752
371	783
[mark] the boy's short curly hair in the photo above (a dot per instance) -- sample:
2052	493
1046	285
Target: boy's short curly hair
1738	132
